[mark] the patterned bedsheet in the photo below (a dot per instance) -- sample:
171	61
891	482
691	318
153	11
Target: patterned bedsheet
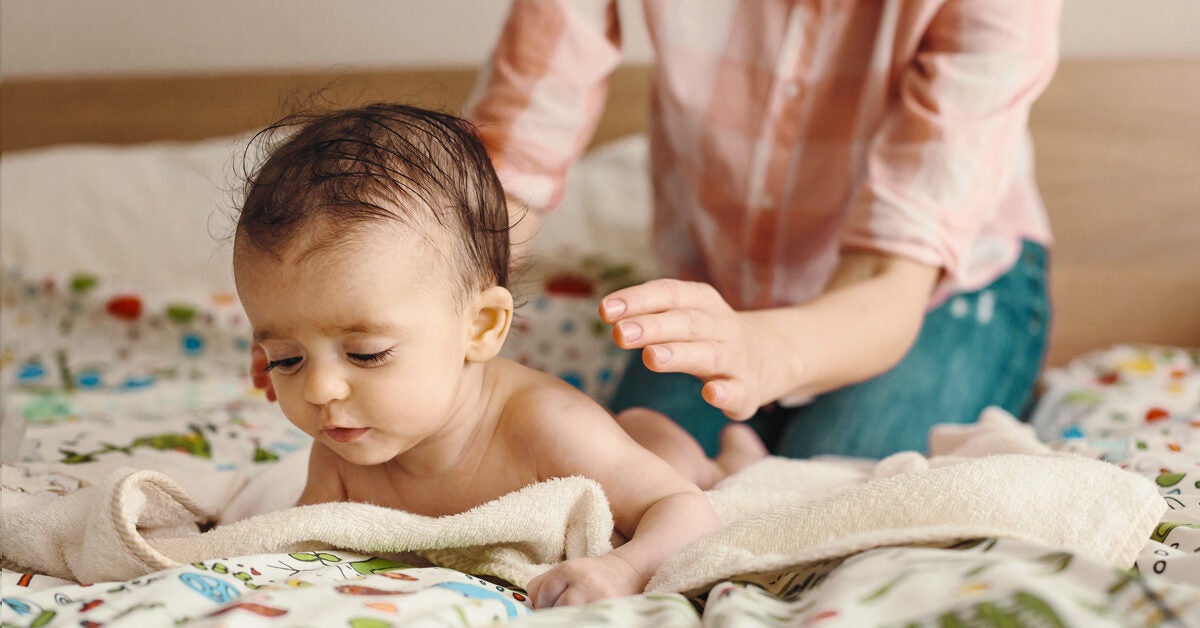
98	374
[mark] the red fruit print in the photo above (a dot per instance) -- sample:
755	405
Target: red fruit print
1108	379
822	616
258	609
570	285
358	589
396	575
1156	414
125	307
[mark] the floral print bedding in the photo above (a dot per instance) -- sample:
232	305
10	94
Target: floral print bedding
96	373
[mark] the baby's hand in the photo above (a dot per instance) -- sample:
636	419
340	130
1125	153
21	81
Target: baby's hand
258	372
583	580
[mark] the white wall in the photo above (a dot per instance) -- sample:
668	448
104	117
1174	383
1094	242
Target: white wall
82	37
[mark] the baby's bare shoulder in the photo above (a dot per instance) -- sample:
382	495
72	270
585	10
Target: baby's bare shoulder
561	428
542	401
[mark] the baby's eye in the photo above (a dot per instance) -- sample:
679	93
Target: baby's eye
285	365
370	359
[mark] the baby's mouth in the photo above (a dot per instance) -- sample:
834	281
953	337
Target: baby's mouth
345	434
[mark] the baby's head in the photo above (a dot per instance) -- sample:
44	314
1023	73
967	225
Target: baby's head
371	257
354	168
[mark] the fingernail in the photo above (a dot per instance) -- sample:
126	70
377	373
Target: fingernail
630	331
662	354
718	392
614	307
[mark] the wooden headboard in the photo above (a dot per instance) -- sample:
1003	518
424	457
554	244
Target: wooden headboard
1118	148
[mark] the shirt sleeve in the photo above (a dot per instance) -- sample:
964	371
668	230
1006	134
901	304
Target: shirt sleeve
949	144
540	96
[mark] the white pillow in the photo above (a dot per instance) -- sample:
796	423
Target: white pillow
160	215
157	215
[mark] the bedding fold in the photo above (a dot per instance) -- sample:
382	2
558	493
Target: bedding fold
992	479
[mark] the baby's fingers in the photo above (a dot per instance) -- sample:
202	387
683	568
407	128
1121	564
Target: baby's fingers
258	371
258	363
546	589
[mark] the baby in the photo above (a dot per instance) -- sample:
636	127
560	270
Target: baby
371	256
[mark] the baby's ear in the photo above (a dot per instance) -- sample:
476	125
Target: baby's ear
490	316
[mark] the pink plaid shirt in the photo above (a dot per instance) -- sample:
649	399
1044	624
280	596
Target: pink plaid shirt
784	131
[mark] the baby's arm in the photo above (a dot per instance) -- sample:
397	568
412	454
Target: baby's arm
655	507
324	482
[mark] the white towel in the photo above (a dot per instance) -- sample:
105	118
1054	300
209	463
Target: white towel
777	514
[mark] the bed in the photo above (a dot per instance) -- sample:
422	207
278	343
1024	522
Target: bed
124	390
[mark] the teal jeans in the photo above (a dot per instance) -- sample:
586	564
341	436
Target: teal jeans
976	350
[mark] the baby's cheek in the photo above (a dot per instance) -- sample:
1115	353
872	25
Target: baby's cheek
294	408
425	394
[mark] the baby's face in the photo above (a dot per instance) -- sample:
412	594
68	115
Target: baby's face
365	341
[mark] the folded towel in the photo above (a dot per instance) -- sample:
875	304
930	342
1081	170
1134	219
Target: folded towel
777	514
1085	506
140	521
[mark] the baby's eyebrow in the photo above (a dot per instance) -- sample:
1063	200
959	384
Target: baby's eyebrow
370	329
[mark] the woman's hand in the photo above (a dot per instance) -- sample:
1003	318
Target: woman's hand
687	327
258	372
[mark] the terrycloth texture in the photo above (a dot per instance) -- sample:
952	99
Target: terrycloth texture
140	521
778	514
991	478
1081	505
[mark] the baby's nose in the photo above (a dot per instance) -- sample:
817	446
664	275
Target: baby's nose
325	384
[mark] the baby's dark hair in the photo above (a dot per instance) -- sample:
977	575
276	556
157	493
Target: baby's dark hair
371	163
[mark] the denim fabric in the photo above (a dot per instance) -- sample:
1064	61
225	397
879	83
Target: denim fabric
977	349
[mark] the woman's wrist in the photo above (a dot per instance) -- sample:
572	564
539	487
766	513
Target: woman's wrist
780	339
861	327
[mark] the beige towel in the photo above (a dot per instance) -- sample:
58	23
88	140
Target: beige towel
1081	505
778	514
140	521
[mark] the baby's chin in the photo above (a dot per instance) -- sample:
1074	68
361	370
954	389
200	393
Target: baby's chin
360	453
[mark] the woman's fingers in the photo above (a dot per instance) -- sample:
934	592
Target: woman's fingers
659	295
725	388
671	326
703	359
729	396
687	327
